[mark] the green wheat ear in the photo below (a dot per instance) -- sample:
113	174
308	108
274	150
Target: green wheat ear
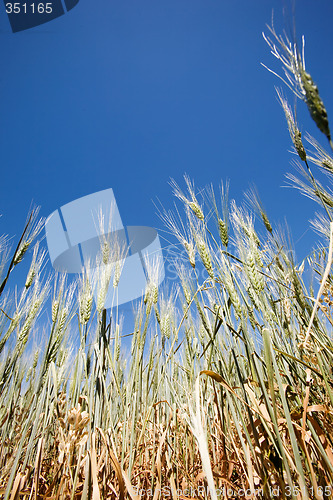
315	104
298	80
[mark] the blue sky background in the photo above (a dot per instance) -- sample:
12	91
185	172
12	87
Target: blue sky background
129	93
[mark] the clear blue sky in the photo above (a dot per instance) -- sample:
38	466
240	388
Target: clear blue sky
128	93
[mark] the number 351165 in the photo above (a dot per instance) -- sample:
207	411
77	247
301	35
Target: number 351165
33	8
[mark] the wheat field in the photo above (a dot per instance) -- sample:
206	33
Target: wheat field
227	391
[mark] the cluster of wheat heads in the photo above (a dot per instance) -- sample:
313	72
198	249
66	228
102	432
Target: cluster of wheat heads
228	388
